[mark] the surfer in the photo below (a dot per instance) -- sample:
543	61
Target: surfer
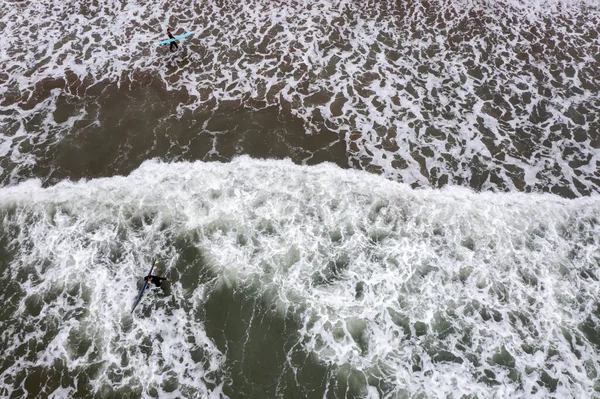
174	42
156	280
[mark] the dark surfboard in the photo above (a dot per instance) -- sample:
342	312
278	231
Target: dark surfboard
139	298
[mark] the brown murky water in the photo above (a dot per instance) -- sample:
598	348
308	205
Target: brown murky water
288	281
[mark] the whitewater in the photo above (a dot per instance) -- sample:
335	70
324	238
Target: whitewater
378	199
495	95
372	289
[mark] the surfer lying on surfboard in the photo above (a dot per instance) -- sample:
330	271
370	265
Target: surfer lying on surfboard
174	42
155	279
149	278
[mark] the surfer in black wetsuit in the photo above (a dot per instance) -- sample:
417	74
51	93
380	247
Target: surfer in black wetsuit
156	280
174	42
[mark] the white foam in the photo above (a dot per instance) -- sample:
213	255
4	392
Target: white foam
313	237
336	43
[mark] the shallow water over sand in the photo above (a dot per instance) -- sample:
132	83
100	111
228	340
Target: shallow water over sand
449	275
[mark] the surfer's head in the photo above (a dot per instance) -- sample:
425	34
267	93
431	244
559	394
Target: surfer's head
168	30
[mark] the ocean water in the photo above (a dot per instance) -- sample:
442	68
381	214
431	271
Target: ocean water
378	199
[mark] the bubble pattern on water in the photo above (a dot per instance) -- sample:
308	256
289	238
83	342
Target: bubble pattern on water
494	95
419	292
72	279
397	291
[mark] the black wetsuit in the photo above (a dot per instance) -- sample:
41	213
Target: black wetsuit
172	43
156	280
